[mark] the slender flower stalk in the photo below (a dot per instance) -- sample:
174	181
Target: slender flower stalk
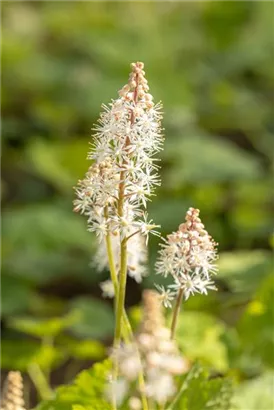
176	313
122	178
188	255
127	331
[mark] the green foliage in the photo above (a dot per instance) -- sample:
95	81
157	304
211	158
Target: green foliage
244	271
43	328
256	325
20	354
199	392
16	295
87	349
199	336
46	254
96	318
255	394
218	163
86	392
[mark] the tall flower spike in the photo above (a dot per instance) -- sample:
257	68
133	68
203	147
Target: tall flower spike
188	255
12	395
127	137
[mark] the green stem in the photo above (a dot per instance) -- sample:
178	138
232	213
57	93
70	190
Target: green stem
121	293
40	381
176	313
182	388
126	328
142	386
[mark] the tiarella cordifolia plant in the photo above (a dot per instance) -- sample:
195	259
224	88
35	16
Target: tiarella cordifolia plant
113	196
114	193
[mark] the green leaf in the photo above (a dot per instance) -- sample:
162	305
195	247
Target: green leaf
58	245
86	392
17	295
43	328
22	353
255	394
59	163
200	337
96	318
244	270
87	349
220	161
255	328
199	392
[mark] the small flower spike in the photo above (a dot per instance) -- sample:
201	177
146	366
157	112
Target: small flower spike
12	395
153	352
188	255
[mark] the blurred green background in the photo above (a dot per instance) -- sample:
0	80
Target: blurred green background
211	64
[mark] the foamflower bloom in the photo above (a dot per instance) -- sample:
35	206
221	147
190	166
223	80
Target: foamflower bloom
127	137
123	175
154	352
189	256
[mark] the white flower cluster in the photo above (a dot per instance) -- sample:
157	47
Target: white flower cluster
188	255
154	352
117	186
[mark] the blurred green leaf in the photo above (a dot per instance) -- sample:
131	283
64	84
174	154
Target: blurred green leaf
87	349
256	325
199	392
43	327
58	244
87	391
244	271
96	318
61	164
17	295
219	161
255	394
21	354
199	336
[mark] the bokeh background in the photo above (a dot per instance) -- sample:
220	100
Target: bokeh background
211	64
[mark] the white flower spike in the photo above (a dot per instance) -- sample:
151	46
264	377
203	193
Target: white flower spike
127	138
188	255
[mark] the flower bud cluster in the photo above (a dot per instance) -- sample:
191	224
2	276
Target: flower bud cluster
127	138
154	352
188	255
12	397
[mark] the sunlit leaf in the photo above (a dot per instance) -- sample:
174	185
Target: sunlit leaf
199	336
